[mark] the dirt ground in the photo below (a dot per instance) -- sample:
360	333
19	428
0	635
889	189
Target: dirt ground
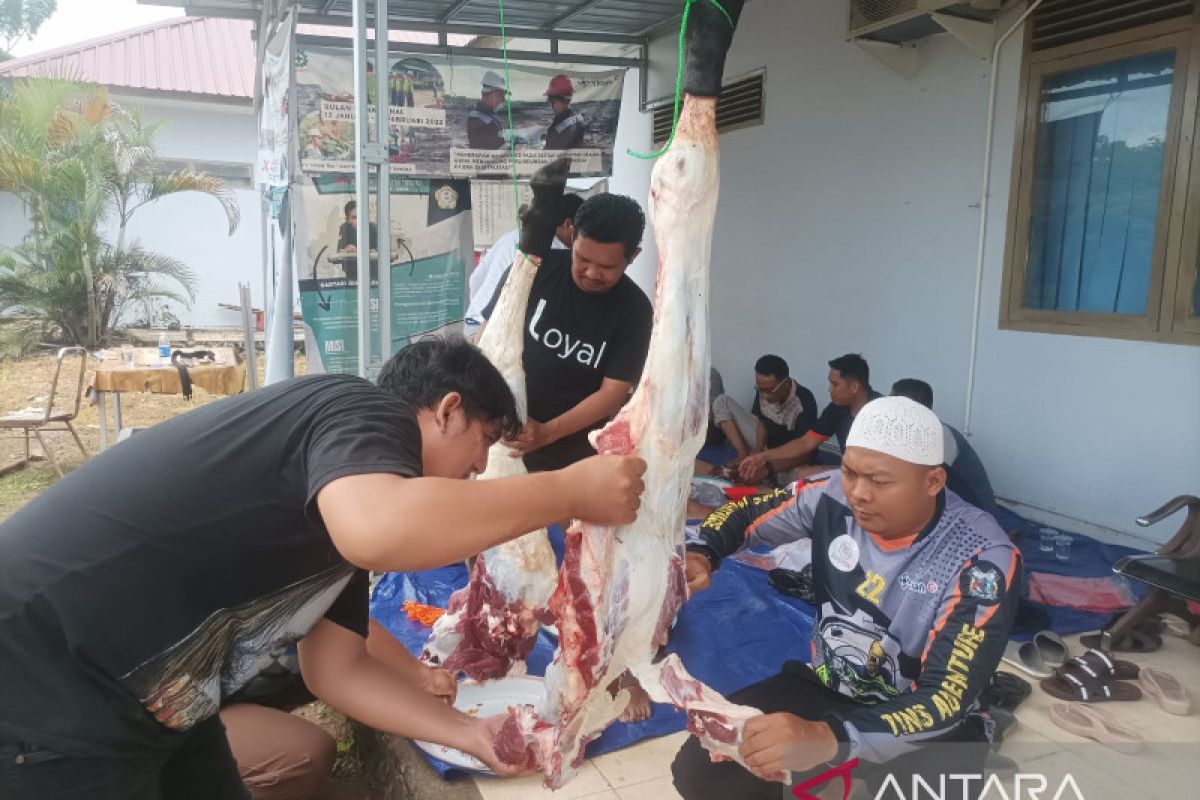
22	383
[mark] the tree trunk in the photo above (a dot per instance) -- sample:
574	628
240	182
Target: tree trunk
93	310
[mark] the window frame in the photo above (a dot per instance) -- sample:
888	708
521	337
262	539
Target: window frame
1178	221
205	165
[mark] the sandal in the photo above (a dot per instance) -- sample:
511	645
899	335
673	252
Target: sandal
1026	657
1099	665
1051	647
1004	721
1167	690
1006	691
1093	723
1176	626
1136	641
1070	686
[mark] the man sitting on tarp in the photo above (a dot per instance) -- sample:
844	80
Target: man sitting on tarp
915	592
849	390
783	410
157	579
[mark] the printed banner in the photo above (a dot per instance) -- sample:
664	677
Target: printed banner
494	208
428	267
274	123
449	115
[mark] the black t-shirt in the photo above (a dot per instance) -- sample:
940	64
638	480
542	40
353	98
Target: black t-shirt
573	341
780	434
348	235
836	421
164	573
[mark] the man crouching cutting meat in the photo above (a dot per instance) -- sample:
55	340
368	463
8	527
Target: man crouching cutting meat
916	592
151	584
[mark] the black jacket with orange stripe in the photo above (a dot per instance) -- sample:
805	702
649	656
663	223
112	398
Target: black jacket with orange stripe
912	629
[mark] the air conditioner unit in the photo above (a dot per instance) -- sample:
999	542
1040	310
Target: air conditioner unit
906	21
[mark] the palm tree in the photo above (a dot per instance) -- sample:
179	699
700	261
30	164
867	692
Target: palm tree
79	161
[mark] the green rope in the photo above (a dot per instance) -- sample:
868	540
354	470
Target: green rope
512	140
687	8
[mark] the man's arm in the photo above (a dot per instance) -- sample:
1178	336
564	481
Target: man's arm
338	669
760	436
774	518
384	522
384	648
600	405
787	455
962	654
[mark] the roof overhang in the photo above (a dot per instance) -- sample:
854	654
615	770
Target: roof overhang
613	21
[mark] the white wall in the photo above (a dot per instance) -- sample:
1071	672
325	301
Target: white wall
192	227
847	223
13	221
631	176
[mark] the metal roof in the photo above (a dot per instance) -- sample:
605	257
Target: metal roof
188	55
631	21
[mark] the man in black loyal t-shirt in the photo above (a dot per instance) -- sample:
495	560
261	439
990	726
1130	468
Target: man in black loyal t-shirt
587	331
149	585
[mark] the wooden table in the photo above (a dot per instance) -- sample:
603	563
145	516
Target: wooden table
149	374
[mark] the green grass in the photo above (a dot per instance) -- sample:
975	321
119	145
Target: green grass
19	487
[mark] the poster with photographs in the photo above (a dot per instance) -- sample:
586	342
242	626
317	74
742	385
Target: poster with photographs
429	242
450	116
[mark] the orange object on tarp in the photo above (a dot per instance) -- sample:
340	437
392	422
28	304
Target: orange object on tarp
736	493
426	615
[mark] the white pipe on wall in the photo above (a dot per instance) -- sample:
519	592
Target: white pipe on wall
985	192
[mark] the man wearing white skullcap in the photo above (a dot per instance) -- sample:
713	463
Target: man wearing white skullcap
915	591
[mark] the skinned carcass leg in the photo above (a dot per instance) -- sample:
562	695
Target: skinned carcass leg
620	588
492	623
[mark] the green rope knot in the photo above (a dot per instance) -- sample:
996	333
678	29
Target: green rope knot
687	7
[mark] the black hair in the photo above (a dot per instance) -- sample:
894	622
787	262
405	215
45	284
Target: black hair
772	365
568	207
350	206
914	389
853	367
608	218
425	371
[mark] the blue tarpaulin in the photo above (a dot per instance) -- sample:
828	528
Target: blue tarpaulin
738	632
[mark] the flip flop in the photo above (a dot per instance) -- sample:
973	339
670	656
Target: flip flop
1051	647
1167	690
1026	657
1099	665
1092	723
1176	626
1136	641
1089	690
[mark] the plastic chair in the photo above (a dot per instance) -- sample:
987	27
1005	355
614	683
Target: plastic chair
51	416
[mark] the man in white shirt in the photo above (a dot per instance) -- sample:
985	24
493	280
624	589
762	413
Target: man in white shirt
499	257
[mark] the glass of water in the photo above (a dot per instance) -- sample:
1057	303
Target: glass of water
127	354
1062	547
1046	538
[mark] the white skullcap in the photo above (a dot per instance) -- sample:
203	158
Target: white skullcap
899	427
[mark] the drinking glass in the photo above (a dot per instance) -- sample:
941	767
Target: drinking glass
1046	539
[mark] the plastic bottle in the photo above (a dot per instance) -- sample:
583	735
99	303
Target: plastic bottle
164	348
